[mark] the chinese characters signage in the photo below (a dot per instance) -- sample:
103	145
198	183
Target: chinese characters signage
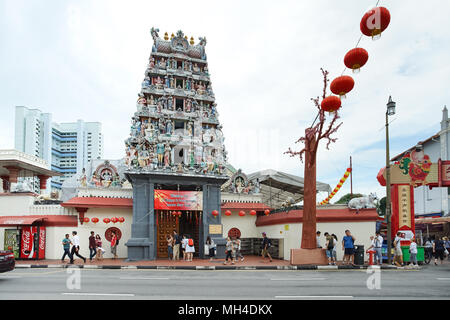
404	205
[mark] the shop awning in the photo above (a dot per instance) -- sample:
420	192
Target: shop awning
19	220
45	220
432	220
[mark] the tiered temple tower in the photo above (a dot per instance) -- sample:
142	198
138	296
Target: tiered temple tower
176	142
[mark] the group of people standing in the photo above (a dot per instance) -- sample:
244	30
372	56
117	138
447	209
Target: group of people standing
95	246
175	242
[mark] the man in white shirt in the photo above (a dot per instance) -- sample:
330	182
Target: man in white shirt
398	255
76	247
377	245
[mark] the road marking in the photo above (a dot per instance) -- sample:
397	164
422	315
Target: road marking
98	294
300	279
443	278
10	277
133	278
314	297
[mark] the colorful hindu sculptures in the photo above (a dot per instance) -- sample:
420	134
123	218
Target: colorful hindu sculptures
176	99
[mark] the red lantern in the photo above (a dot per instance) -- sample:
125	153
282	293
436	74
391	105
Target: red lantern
106	220
356	58
342	85
349	169
114	220
215	213
253	213
331	104
267	212
375	21
121	219
228	213
241	213
86	219
94	220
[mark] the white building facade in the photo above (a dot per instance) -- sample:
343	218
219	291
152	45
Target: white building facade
68	147
433	201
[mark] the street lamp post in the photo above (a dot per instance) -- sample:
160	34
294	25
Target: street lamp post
389	112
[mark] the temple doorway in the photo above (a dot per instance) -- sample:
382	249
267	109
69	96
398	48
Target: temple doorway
187	224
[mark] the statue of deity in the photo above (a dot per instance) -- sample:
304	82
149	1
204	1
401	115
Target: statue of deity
172	82
159	83
188	105
152	63
189	129
169	127
160	153
83	179
170	103
196	68
152	101
162	63
167	81
167	151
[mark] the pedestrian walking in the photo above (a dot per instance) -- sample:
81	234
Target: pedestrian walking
447	247
92	246
176	245
183	246
438	250
190	249
211	246
398	254
348	245
229	251
318	239
413	253
114	244
238	249
66	246
266	244
100	250
169	246
329	245
76	247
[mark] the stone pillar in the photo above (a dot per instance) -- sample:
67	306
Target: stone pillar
211	201
142	244
5	180
13	174
43	182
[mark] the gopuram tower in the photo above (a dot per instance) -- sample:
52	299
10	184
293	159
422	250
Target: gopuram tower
175	153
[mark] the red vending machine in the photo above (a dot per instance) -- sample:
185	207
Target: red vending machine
32	243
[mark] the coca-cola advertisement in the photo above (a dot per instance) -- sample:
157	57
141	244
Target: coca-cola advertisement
32	243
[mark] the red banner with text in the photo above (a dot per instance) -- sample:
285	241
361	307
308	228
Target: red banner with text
178	200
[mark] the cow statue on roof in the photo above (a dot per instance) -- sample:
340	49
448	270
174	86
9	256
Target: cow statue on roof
366	202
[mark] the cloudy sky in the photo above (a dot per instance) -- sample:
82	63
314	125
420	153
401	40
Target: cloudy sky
86	59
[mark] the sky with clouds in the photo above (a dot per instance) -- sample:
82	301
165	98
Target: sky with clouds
86	59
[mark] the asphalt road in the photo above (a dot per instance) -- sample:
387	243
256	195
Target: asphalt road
430	283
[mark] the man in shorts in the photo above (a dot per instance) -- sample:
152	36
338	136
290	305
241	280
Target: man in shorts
398	254
348	245
329	245
266	244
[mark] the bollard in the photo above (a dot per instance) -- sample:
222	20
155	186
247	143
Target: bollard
370	252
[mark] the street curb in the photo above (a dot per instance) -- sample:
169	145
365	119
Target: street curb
221	267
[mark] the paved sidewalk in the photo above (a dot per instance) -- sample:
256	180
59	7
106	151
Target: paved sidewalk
249	263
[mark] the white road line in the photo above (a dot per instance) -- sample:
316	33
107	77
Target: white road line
314	297
98	294
443	278
300	279
133	278
10	277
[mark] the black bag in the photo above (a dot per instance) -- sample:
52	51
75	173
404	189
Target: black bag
117	242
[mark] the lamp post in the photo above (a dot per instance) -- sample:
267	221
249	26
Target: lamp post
389	112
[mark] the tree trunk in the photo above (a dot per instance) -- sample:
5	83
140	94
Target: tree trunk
309	200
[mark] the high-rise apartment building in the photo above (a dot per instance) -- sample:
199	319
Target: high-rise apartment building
68	147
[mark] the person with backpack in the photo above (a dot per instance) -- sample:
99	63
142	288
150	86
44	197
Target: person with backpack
266	244
190	249
329	245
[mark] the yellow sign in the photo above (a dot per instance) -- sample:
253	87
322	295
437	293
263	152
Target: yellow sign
404	204
286	227
215	229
